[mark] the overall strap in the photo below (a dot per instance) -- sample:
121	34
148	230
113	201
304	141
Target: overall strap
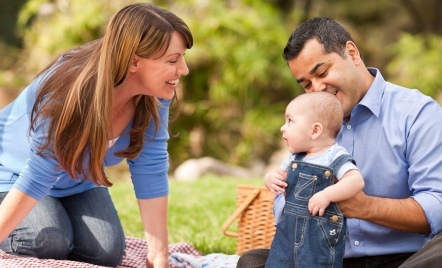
300	156
338	162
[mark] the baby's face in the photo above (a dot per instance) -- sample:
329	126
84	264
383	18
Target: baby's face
298	128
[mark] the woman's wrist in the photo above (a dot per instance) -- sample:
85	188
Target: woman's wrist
158	259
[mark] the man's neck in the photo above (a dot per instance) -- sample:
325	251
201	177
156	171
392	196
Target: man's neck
367	81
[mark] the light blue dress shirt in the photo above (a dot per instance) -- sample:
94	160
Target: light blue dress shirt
395	136
39	176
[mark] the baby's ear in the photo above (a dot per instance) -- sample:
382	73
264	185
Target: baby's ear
317	130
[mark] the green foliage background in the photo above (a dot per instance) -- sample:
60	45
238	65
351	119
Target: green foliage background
197	210
233	100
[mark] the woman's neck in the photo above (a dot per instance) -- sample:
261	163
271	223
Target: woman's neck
123	110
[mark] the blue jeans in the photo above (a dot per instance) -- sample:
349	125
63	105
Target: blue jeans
82	227
303	240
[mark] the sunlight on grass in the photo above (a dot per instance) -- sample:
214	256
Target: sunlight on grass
197	209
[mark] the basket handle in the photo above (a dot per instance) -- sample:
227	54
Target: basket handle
238	211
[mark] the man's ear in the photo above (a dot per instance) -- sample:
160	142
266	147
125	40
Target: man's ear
353	52
317	129
134	64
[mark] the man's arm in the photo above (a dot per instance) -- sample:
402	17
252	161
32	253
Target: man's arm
399	214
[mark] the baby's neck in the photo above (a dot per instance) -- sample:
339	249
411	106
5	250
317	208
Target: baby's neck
320	148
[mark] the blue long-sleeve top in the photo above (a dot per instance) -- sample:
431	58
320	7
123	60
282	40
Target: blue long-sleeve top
36	175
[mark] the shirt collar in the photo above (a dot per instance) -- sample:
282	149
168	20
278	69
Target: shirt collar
372	99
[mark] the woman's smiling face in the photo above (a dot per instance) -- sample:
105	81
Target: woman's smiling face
158	76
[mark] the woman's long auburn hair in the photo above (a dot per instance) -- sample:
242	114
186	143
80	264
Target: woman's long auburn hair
77	94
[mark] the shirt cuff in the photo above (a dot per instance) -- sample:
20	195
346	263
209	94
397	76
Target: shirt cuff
150	186
432	207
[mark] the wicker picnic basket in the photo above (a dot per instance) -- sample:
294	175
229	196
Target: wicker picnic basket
256	227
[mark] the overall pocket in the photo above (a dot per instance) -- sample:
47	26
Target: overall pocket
301	224
331	233
305	187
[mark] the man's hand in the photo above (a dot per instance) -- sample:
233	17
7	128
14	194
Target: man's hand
275	181
318	203
355	207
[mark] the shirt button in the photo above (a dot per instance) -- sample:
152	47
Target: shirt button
348	126
356	243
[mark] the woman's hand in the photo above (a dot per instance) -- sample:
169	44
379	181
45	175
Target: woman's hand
158	261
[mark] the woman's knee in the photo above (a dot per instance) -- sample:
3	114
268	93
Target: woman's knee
48	243
113	252
104	251
111	257
45	233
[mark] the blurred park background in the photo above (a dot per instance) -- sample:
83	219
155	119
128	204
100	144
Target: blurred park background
232	102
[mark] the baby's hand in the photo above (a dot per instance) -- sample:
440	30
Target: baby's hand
318	203
275	182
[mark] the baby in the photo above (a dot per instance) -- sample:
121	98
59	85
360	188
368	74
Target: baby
310	227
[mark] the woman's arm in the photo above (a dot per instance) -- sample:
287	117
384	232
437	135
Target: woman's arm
14	208
154	216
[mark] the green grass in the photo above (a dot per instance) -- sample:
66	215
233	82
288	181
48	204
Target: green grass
197	210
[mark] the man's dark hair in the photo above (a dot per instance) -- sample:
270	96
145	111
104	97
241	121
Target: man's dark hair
330	34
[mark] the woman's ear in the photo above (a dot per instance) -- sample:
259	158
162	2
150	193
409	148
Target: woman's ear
134	64
317	130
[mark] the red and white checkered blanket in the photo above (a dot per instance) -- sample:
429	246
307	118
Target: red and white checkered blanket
136	252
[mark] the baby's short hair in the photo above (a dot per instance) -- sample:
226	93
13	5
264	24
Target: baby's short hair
324	108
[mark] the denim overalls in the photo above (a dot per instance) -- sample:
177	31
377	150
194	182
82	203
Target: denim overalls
303	240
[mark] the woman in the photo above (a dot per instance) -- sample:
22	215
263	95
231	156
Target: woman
91	107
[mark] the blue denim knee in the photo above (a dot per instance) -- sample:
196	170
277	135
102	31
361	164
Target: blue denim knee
49	243
45	233
48	230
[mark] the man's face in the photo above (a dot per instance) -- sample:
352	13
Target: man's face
315	70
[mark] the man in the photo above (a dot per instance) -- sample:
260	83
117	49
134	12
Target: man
395	136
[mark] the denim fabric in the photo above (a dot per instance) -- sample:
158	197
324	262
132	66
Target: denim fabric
303	240
83	227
